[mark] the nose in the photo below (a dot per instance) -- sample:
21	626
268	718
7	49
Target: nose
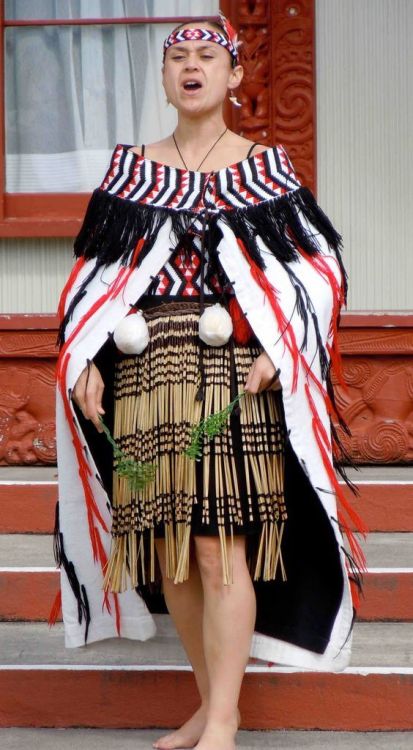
191	63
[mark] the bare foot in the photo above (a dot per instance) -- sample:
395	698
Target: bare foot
188	734
218	736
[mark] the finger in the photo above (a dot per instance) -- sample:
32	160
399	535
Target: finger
254	381
249	377
275	384
79	400
98	424
95	418
93	400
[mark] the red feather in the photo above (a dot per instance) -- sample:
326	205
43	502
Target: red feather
242	331
56	607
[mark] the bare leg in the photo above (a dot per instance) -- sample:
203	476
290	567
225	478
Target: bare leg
185	602
228	626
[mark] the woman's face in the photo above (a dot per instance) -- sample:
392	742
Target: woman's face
197	75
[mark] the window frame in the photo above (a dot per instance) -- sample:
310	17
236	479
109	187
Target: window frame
48	214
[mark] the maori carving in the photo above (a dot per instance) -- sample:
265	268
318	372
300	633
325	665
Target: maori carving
377	403
293	94
278	93
377	341
27	426
253	24
378	408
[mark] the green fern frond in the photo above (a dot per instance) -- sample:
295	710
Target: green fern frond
209	428
137	473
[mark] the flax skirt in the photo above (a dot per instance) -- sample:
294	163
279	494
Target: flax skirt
237	487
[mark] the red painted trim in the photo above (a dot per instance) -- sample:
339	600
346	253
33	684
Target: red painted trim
371	319
101	21
165	699
42	214
28	321
383	320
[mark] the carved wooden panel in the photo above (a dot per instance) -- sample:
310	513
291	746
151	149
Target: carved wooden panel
278	90
377	403
27	389
378	408
27	418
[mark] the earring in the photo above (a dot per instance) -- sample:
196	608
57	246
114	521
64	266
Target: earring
233	99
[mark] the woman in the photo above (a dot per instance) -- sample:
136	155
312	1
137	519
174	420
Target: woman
248	538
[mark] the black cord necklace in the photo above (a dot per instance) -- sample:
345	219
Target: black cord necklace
213	146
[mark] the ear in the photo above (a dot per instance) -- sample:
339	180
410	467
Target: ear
235	77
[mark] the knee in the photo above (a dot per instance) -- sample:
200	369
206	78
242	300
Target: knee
208	555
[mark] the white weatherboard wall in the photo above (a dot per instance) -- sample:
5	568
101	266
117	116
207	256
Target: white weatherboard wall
365	163
365	143
32	273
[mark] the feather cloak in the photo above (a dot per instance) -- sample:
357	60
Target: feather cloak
283	258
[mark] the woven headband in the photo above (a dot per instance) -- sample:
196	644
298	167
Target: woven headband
206	35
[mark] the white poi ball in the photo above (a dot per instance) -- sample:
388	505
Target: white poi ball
215	325
131	335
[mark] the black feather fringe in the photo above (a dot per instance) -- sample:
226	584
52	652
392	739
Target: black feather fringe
113	225
83	609
277	223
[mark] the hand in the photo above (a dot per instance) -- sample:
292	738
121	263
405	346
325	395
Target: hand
262	375
87	394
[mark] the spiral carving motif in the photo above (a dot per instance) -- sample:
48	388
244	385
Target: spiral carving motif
357	372
293	101
385	438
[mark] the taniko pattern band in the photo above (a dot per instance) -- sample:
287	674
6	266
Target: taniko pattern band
206	35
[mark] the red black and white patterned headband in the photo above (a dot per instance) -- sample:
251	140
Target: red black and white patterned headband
230	42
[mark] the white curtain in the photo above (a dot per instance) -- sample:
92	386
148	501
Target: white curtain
73	92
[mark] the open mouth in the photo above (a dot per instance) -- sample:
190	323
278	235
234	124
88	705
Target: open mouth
192	85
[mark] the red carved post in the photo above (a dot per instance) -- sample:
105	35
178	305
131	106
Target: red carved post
293	84
278	89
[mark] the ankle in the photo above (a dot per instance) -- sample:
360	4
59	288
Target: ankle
217	719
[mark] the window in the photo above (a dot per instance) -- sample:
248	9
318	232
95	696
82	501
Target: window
75	84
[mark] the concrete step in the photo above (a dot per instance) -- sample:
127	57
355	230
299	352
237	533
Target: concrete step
383	550
28	496
129	739
376	645
44	684
29	579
